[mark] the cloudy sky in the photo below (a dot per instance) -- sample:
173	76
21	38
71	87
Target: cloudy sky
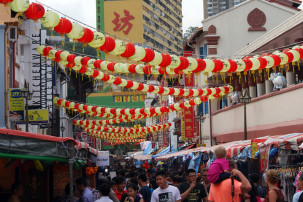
84	11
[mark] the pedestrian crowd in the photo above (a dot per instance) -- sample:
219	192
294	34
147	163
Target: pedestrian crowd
221	182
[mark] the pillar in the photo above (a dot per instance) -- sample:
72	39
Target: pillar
2	76
268	84
290	77
260	85
252	86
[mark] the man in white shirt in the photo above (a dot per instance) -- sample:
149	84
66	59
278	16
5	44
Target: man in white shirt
165	192
104	191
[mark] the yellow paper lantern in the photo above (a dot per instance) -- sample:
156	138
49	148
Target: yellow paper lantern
78	61
64	55
135	85
104	65
193	64
90	63
157	59
50	19
240	65
139	53
77	32
139	69
283	56
40	49
255	63
270	61
19	6
119	48
296	55
100	76
98	40
197	101
51	54
123	82
226	65
177	92
210	65
175	62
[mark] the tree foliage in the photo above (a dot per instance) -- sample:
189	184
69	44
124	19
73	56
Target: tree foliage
188	33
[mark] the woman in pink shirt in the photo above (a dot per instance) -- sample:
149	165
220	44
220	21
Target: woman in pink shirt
219	169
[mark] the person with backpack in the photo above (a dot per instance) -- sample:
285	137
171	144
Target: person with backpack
298	197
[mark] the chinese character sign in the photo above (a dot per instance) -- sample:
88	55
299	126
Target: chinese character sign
135	98
124	19
118	98
189	122
123	23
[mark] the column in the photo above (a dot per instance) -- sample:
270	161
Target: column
268	84
260	85
290	76
2	76
252	87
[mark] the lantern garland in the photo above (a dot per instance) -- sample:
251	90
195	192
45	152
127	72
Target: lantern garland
99	75
167	63
107	112
125	130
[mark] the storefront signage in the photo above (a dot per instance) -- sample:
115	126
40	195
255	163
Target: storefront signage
102	158
16	105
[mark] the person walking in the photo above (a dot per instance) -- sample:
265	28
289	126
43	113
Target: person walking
120	187
86	193
191	190
144	191
275	194
298	197
132	194
104	190
165	192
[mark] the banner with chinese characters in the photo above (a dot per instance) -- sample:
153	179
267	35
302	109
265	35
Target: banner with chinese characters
135	98
264	157
189	122
126	98
118	98
183	127
124	19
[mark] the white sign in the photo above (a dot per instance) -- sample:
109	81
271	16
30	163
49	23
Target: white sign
103	158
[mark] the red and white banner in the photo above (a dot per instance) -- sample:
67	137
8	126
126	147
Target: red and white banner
189	122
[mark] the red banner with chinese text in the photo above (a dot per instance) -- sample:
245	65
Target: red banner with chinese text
189	122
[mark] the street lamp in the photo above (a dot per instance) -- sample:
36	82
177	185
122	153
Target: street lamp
201	120
62	128
25	93
245	99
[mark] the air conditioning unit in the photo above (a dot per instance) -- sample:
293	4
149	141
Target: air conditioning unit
12	34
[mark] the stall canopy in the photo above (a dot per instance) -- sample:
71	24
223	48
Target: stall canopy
290	141
25	145
164	151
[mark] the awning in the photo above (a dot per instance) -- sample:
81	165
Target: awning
81	145
290	141
142	157
190	147
171	155
93	151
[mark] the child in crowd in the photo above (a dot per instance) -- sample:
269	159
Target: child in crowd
219	169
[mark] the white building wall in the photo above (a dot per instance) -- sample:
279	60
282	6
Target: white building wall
232	26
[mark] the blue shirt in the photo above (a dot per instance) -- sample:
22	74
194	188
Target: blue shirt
146	193
296	197
87	196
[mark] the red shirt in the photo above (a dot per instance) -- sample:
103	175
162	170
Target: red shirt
120	195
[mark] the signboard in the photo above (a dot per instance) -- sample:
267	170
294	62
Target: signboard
16	105
254	149
189	122
183	127
264	158
36	116
102	158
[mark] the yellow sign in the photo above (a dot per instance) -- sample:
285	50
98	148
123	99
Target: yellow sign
142	98
118	98
126	98
38	116
124	19
16	102
135	98
201	145
254	149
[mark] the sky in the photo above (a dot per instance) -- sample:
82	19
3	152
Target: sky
84	11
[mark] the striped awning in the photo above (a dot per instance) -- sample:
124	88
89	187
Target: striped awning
81	145
142	157
93	151
290	141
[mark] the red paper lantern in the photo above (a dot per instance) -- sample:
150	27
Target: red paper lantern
140	87
87	37
113	110
46	50
83	70
34	12
248	64
117	81
6	2
192	102
151	88
218	65
109	44
74	122
132	111
71	58
184	63
181	105
201	66
95	74
191	92
57	56
166	60
97	64
132	68
111	66
85	60
142	111
171	91
106	77
208	92
181	92
263	62
147	69
161	90
129	51
59	101
277	60
200	92
162	70
149	55
233	66
129	84
64	27
67	103
289	55
204	98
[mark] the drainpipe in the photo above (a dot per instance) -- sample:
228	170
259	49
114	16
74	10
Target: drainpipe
2	77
